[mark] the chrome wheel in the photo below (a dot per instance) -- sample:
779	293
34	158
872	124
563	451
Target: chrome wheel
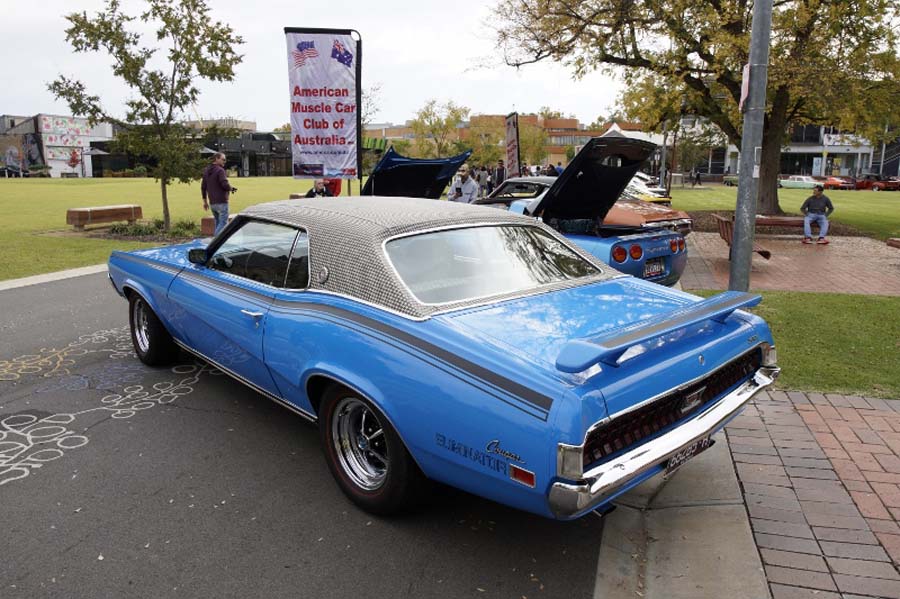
141	326
360	444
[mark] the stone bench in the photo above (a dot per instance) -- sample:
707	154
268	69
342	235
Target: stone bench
726	232
95	215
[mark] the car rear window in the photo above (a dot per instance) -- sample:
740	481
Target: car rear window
464	264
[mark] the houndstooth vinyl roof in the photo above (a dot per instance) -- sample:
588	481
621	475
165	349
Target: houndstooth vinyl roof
346	237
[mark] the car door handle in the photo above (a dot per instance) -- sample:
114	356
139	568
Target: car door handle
252	314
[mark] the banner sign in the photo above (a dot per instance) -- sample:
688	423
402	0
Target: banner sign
324	75
512	145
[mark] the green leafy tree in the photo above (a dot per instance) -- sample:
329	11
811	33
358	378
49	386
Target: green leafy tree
695	142
402	146
570	153
532	143
436	128
285	128
195	47
832	62
487	137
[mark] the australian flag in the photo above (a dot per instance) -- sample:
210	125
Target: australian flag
341	54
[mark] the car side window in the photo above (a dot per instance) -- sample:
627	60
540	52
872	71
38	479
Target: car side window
298	269
257	251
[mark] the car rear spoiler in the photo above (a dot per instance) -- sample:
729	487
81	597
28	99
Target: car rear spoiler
579	355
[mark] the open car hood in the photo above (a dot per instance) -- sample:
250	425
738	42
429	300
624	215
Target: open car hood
397	175
594	179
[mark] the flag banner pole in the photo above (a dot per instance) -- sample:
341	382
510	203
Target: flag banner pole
513	161
324	75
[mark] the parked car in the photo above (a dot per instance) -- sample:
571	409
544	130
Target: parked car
835	182
434	341
798	182
635	237
645	184
628	210
877	183
648	180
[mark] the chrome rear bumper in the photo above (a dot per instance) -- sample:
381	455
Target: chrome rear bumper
599	484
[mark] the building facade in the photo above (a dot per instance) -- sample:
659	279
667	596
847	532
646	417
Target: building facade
51	141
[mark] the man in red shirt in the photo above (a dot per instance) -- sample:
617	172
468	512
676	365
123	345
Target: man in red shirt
216	188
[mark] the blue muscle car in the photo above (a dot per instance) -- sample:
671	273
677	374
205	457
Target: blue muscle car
579	203
435	341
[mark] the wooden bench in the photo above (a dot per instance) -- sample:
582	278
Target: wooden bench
208	225
79	217
726	232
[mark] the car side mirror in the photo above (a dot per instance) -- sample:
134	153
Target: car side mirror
197	256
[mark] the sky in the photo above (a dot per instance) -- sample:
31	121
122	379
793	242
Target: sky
415	52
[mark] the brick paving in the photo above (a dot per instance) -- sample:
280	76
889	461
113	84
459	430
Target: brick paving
820	475
856	265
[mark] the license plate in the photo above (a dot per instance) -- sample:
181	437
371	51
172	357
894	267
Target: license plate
654	267
687	453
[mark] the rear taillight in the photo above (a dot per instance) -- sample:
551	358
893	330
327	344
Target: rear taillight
673	244
636	252
619	254
681	244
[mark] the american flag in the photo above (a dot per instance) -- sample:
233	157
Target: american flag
304	51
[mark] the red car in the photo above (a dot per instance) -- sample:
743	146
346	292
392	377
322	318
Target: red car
877	183
833	182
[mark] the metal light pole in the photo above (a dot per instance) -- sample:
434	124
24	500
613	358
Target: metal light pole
751	148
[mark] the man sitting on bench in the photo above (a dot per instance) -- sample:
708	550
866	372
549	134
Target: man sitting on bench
816	209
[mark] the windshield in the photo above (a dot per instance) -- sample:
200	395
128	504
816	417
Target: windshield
519	189
464	264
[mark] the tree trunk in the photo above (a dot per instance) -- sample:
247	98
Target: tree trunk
770	160
770	163
164	183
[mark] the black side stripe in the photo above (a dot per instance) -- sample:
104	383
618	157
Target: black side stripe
512	387
148	262
449	369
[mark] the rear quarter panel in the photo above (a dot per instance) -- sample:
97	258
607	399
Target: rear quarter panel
448	397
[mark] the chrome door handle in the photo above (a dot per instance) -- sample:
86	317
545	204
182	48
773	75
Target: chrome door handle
252	314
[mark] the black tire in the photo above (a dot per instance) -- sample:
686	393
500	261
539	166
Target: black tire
152	342
372	468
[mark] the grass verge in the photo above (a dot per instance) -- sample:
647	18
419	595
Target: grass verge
834	343
38	240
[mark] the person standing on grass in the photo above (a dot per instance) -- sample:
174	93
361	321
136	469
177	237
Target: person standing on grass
816	209
215	190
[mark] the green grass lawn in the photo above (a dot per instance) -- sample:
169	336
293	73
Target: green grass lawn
835	343
875	213
37	239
